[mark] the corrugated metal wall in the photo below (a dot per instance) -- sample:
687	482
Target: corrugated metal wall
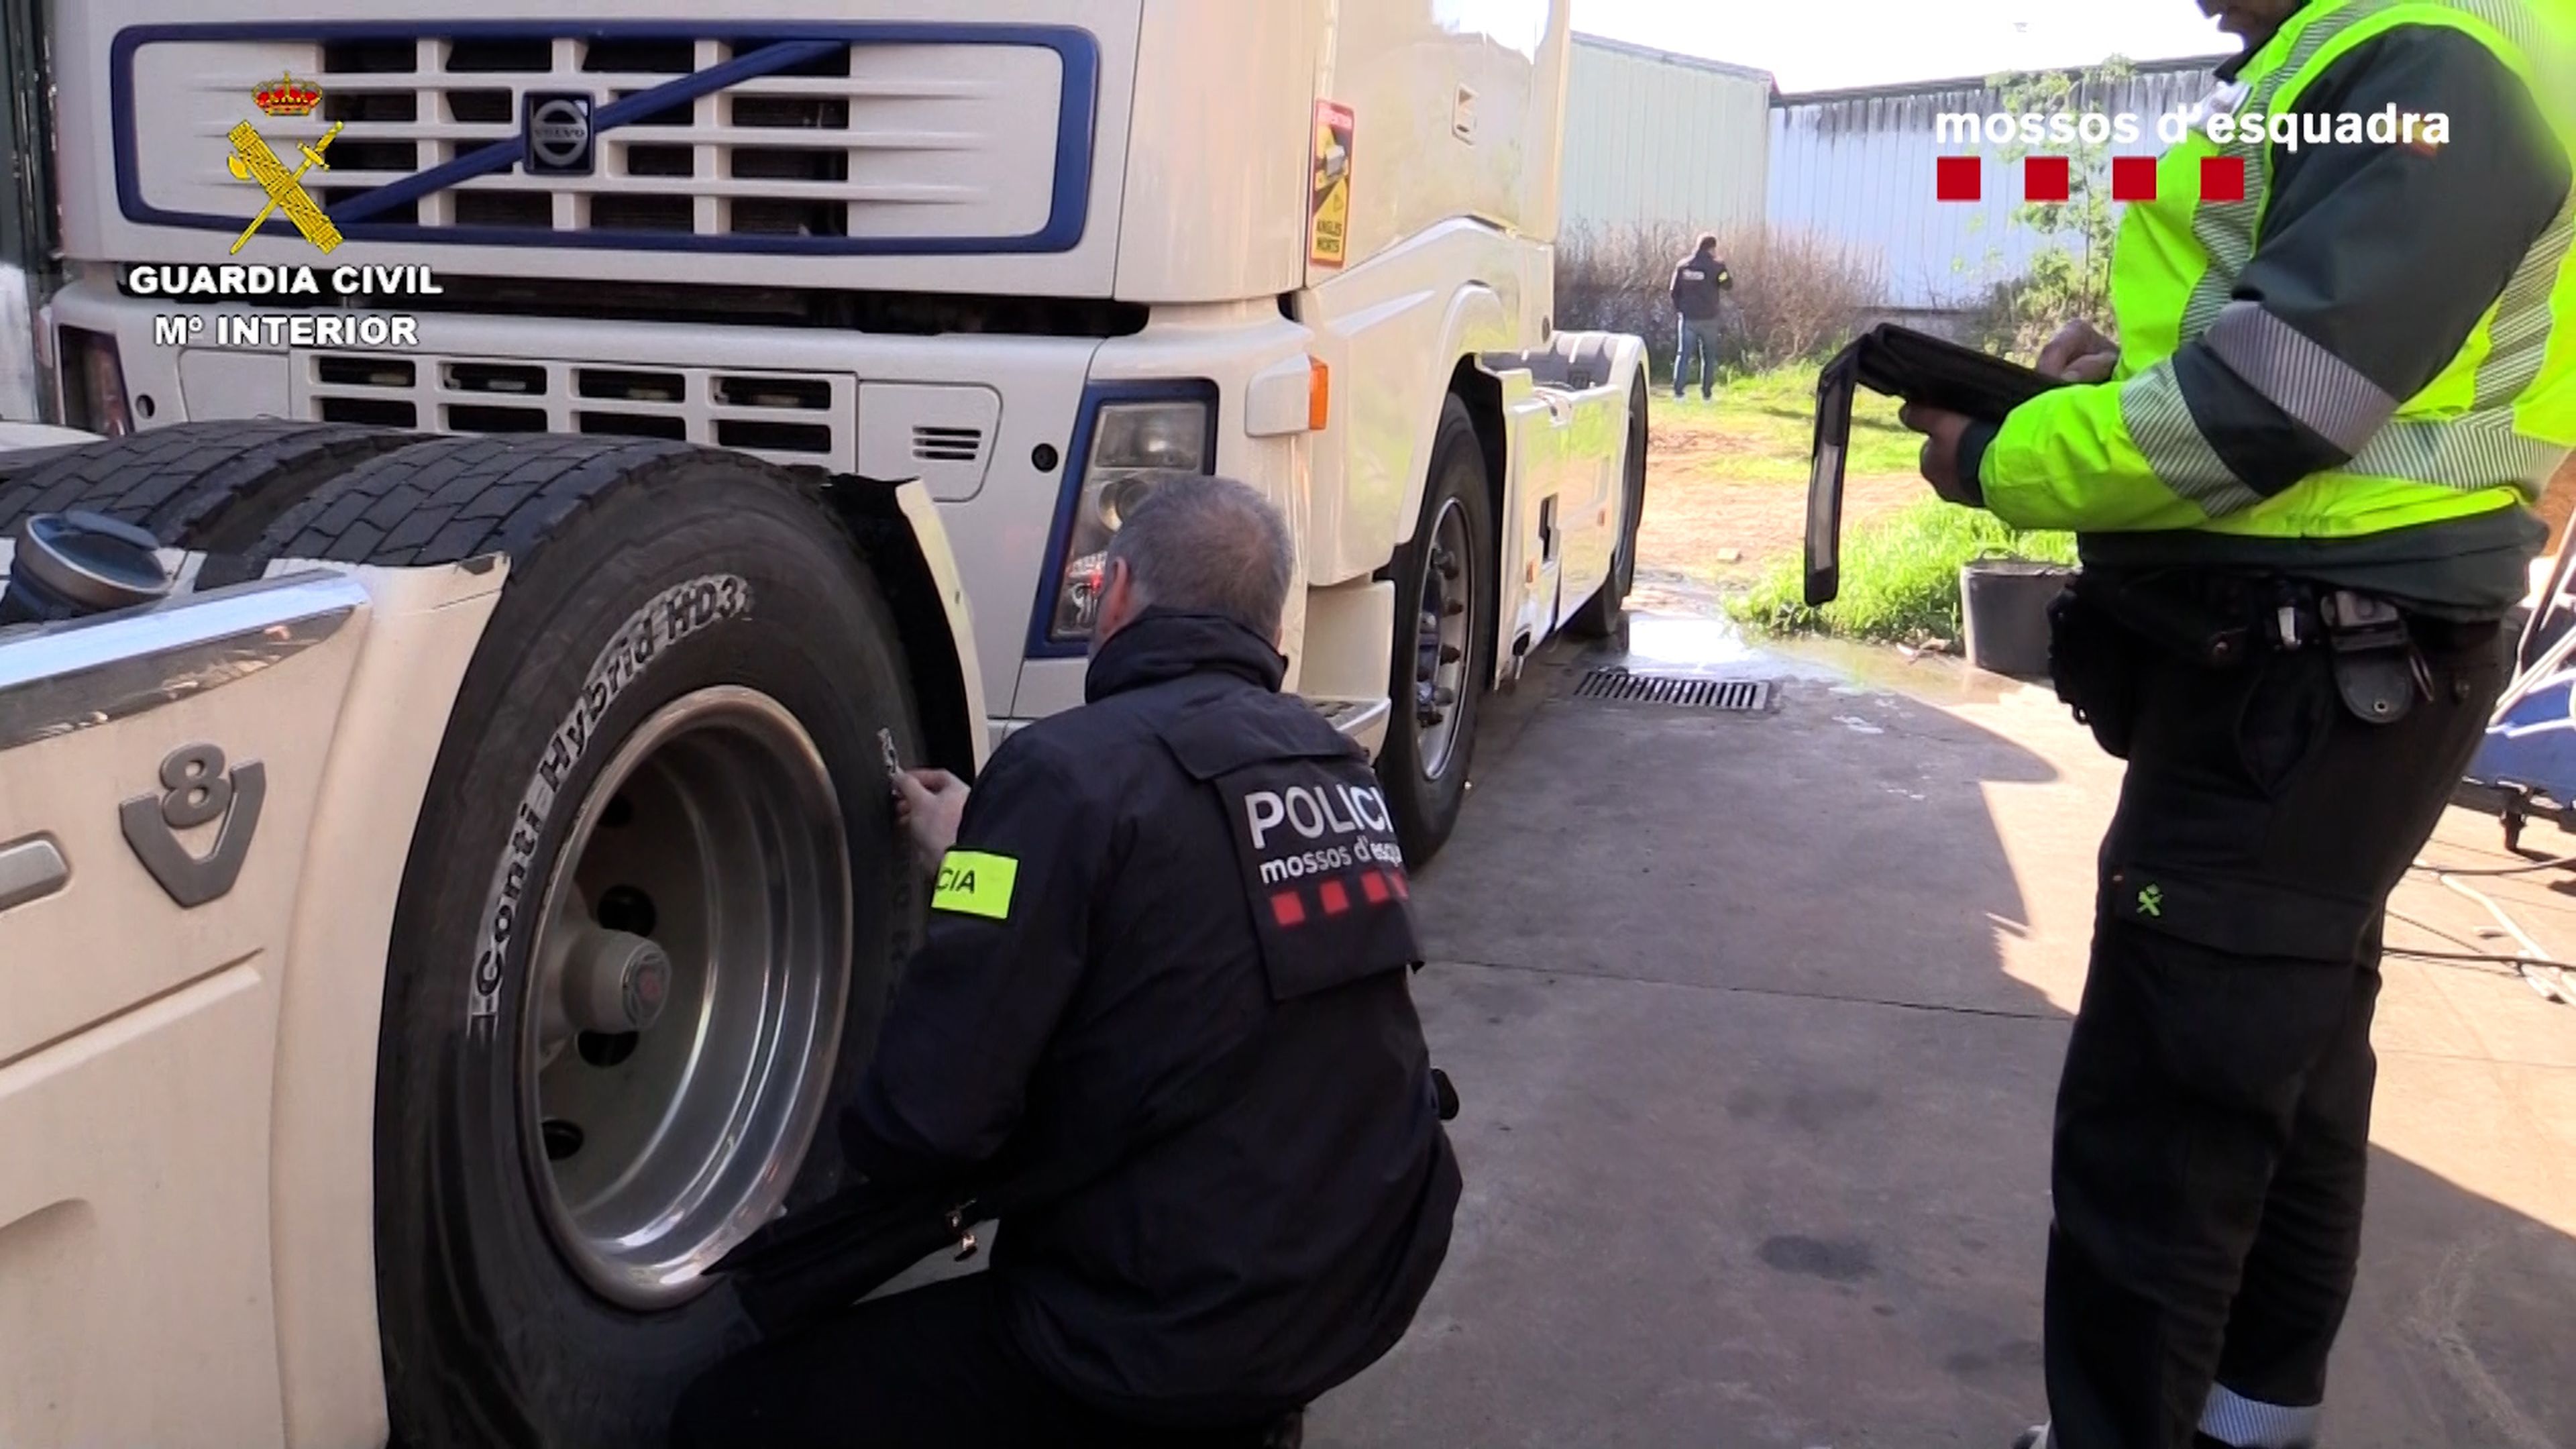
1655	139
1858	167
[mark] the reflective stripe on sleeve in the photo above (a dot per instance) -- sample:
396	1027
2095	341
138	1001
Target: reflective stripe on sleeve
2476	452
2325	393
2519	338
2159	421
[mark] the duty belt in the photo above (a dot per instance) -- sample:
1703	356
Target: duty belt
2378	667
2221	621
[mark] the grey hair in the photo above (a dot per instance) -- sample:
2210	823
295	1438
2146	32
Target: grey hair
1201	545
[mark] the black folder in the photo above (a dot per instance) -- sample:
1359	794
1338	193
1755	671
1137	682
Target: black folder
812	1263
1903	363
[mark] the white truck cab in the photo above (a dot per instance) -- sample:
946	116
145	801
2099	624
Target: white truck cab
1011	249
581	450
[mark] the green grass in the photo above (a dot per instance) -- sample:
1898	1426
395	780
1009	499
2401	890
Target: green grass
1768	421
1900	576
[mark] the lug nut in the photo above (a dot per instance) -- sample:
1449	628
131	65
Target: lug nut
615	982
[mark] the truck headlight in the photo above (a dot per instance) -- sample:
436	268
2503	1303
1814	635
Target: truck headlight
1130	441
93	383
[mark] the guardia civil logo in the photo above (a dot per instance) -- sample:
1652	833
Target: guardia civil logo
284	98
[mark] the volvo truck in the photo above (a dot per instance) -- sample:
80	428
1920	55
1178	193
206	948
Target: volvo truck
445	895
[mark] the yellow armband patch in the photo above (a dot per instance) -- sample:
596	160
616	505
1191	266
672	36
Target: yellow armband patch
972	883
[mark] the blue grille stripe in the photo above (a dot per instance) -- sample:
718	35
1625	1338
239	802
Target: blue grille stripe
502	155
1068	214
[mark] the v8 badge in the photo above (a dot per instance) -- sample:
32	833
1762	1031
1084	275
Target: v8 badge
196	790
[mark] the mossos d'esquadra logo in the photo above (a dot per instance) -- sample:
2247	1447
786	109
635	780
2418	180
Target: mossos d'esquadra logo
284	98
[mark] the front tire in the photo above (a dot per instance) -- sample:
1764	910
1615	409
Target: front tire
1445	588
651	918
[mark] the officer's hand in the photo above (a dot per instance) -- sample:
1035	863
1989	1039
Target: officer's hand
1941	429
2079	353
930	803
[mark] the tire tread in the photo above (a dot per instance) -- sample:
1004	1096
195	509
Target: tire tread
193	484
453	498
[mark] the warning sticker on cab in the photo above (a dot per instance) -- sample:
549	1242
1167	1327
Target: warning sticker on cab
1329	213
972	883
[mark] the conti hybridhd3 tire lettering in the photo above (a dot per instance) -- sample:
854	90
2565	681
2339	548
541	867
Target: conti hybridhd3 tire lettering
650	919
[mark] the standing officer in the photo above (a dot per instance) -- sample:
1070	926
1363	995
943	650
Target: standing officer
2302	482
1700	284
1193	878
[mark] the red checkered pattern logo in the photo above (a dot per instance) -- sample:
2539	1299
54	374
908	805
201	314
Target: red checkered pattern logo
2047	179
2050	180
1292	907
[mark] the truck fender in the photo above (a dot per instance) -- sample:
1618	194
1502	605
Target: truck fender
899	527
320	698
930	540
1476	323
425	627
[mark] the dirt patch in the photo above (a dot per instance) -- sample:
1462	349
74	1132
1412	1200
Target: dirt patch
1726	481
1722	532
1680	443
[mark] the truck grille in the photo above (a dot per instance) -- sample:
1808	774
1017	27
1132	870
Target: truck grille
947	445
816	138
789	418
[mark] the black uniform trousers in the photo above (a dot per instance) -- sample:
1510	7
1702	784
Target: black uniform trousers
932	1368
2213	1120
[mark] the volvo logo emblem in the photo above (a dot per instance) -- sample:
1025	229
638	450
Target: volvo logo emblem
559	134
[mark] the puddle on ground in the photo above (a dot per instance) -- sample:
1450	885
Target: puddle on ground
1716	646
1938	678
1679	626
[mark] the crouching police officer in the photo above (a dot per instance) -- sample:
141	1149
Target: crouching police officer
2301	480
1192	878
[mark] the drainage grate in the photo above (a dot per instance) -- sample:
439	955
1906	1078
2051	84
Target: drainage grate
1684	690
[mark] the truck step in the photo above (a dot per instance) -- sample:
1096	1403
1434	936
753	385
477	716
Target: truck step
1364	720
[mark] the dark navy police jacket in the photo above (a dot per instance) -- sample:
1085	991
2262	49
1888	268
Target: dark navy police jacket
1138	887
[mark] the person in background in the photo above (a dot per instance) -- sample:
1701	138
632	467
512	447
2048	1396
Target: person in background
1700	284
1191	880
2302	482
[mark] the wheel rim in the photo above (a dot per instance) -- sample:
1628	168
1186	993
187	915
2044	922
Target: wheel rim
1444	621
685	994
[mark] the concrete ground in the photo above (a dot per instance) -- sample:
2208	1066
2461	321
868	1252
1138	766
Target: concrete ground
1757	1021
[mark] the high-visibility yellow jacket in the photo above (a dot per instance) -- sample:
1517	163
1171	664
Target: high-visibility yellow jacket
2365	368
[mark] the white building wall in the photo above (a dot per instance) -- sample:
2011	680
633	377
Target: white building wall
1857	166
1653	139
